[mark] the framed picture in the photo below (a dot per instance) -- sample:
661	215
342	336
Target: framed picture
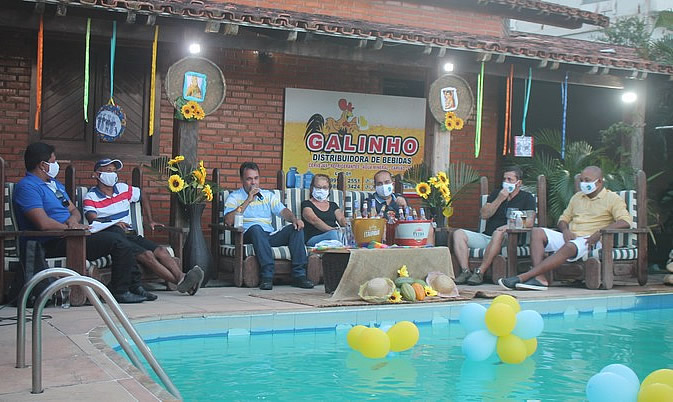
194	87
449	99
523	146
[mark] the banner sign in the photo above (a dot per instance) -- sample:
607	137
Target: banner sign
358	134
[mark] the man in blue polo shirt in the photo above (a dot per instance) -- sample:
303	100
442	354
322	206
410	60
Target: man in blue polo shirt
258	207
41	203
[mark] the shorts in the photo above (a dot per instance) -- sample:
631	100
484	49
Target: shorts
476	240
555	241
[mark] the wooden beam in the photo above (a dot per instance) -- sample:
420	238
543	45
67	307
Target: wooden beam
230	29
212	27
61	9
292	36
131	17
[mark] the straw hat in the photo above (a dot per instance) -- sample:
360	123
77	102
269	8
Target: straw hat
442	283
377	290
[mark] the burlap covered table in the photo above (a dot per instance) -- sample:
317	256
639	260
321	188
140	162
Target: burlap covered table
365	264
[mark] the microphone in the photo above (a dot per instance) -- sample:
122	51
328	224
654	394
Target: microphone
259	195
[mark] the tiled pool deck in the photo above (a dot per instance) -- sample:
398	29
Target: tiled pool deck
77	365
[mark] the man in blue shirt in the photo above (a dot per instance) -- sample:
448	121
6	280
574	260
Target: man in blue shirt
385	195
41	203
258	207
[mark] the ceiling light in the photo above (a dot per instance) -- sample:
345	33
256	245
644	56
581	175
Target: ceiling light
629	97
448	67
195	48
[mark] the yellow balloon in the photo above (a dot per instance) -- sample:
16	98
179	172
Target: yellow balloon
500	319
531	345
352	336
508	300
655	392
663	376
373	343
403	336
511	349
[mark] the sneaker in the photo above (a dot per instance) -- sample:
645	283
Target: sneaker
532	284
140	291
509	283
463	277
302	282
266	284
128	297
191	279
477	278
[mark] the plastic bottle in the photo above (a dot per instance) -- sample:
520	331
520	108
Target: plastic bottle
297	180
356	209
422	212
308	178
291	178
238	219
372	210
414	214
400	214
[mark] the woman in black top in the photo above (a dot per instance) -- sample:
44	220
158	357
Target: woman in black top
319	215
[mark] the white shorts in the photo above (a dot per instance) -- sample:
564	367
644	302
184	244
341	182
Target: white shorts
555	241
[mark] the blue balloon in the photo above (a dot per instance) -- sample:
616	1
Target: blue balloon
472	317
623	371
610	387
529	324
479	345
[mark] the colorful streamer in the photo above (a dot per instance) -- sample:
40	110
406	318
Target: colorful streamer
40	50
507	145
480	103
153	77
529	81
113	46
86	69
564	102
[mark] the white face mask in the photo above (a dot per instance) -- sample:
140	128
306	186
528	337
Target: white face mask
510	187
108	178
384	190
588	187
320	194
53	169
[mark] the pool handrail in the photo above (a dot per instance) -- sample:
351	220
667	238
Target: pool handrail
102	291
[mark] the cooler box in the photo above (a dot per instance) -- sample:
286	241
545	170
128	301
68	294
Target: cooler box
412	233
368	230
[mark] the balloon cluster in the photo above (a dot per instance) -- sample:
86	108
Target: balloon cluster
502	328
617	382
374	343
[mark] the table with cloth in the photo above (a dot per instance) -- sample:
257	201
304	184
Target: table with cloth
365	264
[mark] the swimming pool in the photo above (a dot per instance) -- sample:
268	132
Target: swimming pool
304	355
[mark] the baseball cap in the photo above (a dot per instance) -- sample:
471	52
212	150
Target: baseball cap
107	161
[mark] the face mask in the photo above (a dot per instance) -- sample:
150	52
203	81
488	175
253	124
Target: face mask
588	187
108	178
384	190
53	169
510	187
320	194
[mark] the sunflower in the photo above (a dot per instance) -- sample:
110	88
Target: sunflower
434	182
199	114
403	272
199	176
442	177
193	105
446	193
396	297
175	183
423	190
459	123
429	291
187	112
202	169
208	192
450	124
175	160
450	115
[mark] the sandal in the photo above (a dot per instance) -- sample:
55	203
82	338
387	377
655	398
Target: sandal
191	280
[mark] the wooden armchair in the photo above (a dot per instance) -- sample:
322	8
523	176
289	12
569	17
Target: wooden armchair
234	258
517	249
624	252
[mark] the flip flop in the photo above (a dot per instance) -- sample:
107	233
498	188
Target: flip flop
197	286
191	279
532	284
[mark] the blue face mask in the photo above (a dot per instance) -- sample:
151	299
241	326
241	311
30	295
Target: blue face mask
588	187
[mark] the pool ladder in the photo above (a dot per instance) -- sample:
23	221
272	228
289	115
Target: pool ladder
89	285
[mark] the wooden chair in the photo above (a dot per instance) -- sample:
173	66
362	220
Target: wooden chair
234	258
518	240
624	252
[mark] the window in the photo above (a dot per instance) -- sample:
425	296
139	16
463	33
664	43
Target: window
62	118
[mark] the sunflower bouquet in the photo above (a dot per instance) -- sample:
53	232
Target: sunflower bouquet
187	182
188	110
436	193
452	122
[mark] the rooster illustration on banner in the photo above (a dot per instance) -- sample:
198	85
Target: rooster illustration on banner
347	123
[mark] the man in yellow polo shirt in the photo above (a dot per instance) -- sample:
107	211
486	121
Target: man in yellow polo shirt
590	210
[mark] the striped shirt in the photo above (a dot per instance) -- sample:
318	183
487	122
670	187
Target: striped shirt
258	212
115	208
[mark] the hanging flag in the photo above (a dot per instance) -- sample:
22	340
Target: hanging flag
153	78
110	119
564	102
523	145
507	145
480	103
86	69
38	97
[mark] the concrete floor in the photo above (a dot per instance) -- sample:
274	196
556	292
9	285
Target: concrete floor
76	369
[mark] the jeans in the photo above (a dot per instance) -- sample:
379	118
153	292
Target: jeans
263	241
329	235
125	272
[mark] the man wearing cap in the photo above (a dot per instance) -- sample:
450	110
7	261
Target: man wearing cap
42	203
110	202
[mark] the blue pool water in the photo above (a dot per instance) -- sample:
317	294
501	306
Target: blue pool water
311	364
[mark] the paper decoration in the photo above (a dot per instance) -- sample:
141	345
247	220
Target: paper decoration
153	78
40	51
110	122
523	146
